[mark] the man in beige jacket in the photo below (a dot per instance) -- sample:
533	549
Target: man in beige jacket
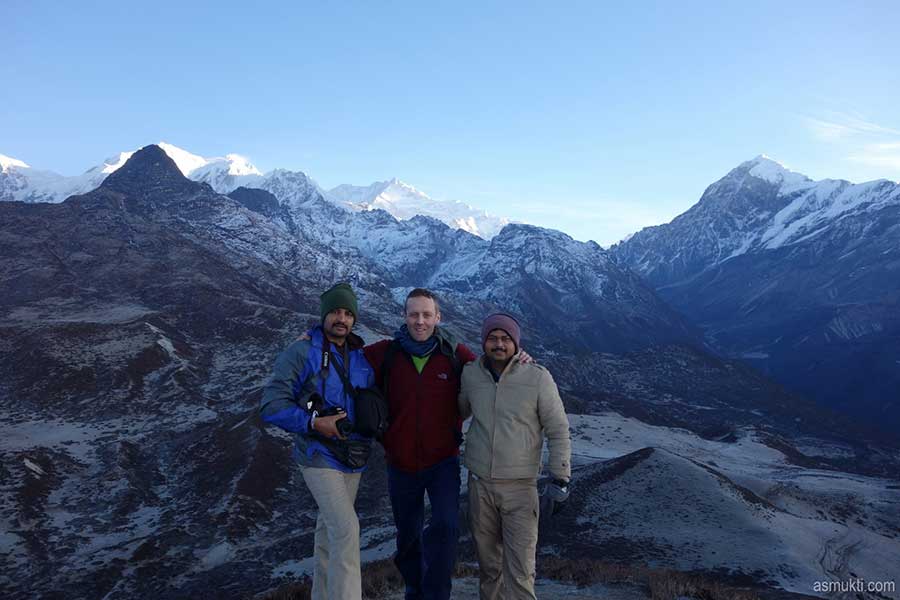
513	406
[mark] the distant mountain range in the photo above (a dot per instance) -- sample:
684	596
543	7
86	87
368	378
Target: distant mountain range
799	277
18	181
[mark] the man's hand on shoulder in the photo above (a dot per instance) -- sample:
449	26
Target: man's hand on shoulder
526	359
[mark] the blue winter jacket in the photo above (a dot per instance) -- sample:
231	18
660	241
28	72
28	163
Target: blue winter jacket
297	375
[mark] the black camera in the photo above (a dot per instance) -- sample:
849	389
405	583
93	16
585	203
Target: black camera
344	426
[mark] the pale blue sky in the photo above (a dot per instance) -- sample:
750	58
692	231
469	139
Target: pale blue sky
589	117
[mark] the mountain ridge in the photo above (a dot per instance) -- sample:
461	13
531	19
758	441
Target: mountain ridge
225	174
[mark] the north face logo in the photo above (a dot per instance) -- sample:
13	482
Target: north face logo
442	376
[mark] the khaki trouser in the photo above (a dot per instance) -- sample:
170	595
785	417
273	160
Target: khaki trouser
336	574
503	515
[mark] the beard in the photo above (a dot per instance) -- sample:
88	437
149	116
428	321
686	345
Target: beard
339	331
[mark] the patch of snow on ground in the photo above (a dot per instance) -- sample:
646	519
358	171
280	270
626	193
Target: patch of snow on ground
167	345
217	555
294	569
33	467
73	438
57	313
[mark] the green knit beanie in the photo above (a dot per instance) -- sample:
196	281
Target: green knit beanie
339	296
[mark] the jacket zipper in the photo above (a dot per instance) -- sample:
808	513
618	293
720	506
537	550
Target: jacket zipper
494	422
419	445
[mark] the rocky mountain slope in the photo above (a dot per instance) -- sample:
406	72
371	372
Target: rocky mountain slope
800	278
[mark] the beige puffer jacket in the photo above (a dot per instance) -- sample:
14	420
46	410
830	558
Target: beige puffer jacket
510	419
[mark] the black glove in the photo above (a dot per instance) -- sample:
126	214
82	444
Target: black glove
553	500
313	403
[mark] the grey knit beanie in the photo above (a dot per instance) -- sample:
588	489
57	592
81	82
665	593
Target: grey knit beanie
503	321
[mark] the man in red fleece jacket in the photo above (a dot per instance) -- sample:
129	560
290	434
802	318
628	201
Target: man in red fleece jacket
422	443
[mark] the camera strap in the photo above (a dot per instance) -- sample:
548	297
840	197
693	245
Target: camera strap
326	367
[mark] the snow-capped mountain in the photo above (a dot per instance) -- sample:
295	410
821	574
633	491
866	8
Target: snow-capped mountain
20	182
404	202
7	163
225	174
800	277
760	205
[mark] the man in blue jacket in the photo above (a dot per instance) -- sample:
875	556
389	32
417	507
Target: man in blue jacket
307	395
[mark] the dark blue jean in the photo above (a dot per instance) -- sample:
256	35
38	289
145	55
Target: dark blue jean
426	558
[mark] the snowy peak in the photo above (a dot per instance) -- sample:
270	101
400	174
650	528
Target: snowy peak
148	169
230	164
186	161
523	244
764	161
8	162
749	193
110	165
239	165
403	201
788	207
759	205
769	170
527	235
292	188
356	197
524	229
381	194
19	182
401	186
398	195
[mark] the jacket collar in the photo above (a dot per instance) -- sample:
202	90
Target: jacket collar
484	363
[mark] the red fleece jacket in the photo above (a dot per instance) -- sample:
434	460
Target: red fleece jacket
426	427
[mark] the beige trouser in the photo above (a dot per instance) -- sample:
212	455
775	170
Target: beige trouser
336	573
503	515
